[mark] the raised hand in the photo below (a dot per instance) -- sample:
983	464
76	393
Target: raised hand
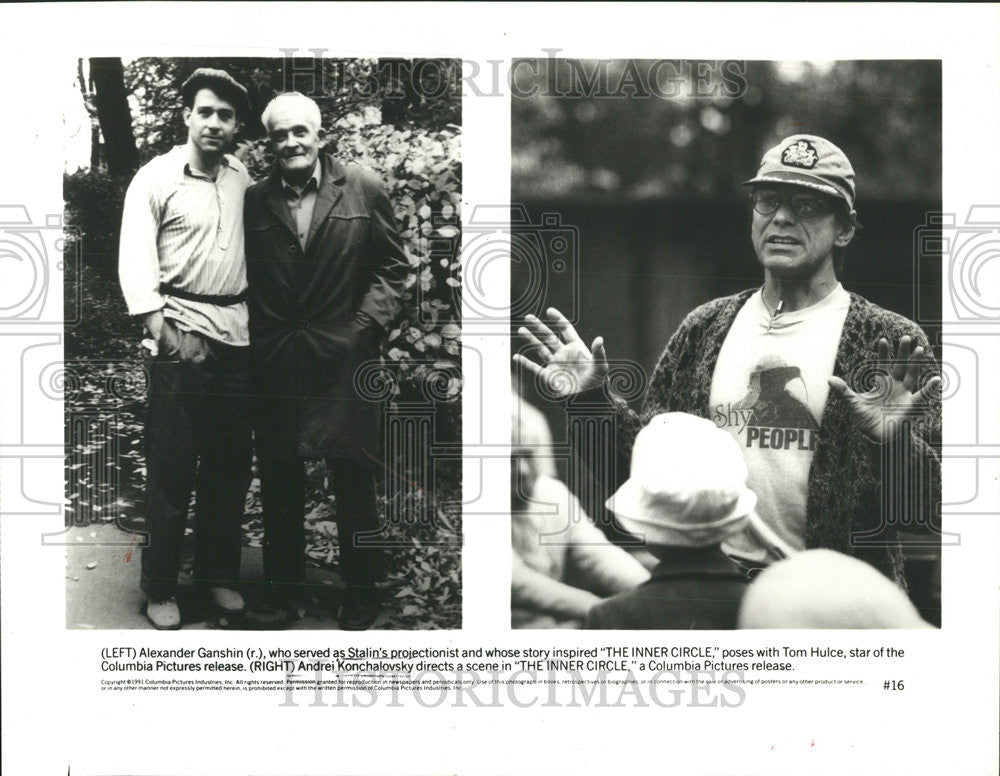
894	396
560	359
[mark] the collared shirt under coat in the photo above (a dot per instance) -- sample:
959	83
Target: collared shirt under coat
302	202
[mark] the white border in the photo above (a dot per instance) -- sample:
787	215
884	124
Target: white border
945	722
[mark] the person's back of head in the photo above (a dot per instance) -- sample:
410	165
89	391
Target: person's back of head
825	589
687	486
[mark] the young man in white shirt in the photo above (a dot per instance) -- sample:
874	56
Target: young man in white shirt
182	269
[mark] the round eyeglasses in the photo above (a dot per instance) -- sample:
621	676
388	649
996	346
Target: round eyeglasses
803	205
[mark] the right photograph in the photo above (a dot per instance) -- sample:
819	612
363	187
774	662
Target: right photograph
725	310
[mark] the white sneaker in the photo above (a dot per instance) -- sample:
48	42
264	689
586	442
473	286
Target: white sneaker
165	615
227	601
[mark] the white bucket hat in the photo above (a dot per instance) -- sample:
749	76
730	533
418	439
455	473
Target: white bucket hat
687	485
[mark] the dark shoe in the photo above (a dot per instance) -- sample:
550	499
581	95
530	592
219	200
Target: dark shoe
275	607
270	615
360	610
165	615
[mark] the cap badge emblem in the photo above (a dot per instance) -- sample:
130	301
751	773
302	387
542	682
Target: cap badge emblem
800	154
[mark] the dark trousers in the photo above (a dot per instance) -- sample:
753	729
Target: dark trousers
282	491
198	437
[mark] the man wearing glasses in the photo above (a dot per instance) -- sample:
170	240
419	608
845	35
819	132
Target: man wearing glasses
799	371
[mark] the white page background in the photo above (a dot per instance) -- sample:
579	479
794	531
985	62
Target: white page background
53	713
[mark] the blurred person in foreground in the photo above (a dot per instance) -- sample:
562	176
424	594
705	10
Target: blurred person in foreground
825	589
327	271
686	494
837	432
183	271
561	562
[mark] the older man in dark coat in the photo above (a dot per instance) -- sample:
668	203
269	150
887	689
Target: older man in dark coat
326	270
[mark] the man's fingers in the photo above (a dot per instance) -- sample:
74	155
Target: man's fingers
528	364
542	332
544	354
913	366
902	357
841	388
534	324
562	325
597	350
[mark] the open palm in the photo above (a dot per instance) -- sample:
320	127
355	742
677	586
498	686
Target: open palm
896	394
563	364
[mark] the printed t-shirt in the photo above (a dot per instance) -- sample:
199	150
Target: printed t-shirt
768	390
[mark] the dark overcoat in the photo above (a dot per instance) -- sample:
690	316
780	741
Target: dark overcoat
691	588
307	339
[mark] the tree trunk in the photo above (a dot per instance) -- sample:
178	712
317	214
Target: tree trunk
95	127
108	78
396	87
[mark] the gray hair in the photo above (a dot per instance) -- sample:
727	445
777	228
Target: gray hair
309	106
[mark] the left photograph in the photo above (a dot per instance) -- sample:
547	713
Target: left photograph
262	377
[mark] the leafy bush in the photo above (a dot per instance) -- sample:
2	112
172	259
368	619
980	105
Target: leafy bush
93	206
422	536
421	91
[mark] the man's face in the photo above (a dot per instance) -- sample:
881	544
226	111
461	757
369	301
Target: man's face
211	122
796	240
294	139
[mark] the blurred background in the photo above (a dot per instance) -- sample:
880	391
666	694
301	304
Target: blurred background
650	184
628	209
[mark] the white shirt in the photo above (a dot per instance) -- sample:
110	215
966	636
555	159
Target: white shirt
768	390
182	228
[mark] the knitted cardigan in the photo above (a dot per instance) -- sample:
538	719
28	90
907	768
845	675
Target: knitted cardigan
851	507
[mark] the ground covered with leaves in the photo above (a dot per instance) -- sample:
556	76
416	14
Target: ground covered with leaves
104	389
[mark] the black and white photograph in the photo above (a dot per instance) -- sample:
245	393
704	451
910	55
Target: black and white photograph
728	414
499	388
266	358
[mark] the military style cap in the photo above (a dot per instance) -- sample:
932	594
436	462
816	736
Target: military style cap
222	84
810	161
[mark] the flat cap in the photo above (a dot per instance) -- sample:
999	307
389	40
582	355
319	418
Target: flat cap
220	82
